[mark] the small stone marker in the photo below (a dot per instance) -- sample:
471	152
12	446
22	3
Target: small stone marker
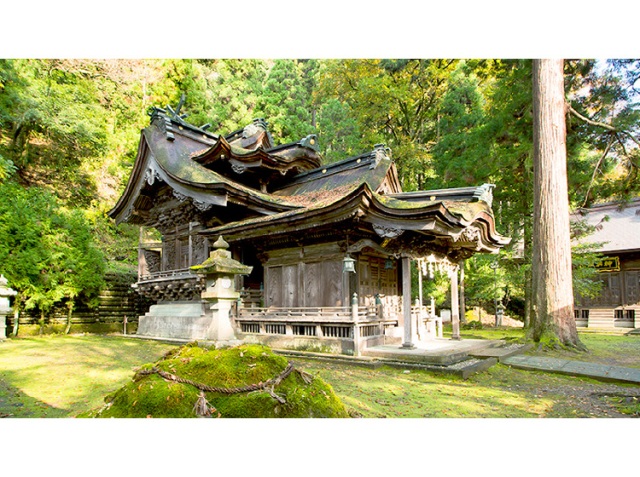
5	308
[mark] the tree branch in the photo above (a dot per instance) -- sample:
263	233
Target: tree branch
590	121
595	170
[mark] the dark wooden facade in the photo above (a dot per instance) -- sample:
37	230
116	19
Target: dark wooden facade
617	229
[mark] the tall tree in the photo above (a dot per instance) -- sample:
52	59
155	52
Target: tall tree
395	102
285	101
552	293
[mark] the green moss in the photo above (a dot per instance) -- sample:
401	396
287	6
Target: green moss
628	405
152	396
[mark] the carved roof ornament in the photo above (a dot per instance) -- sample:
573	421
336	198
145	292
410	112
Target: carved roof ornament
386	231
469	235
311	141
151	175
381	151
485	193
201	206
258	125
181	197
238	168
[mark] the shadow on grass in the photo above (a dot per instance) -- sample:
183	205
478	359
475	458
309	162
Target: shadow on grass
15	403
61	376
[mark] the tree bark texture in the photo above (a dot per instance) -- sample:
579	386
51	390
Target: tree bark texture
552	289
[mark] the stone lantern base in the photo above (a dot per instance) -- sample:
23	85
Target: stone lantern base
187	321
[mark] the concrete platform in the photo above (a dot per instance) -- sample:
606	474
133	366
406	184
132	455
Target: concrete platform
501	352
575	368
441	352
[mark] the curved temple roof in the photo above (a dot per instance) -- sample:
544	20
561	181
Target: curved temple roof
469	224
164	154
208	168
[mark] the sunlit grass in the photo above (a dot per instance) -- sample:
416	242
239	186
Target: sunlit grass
607	348
60	376
395	393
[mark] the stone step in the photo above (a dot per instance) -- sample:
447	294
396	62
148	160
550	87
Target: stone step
500	352
574	368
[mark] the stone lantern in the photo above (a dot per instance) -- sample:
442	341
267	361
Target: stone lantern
219	272
5	309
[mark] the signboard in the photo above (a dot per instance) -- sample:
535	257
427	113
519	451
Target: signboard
608	264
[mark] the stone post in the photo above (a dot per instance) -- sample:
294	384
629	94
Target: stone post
420	324
406	303
5	308
219	272
354	318
455	310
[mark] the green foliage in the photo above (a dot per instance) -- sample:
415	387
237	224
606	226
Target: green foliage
461	141
7	168
152	396
285	101
47	251
72	127
484	284
339	133
395	102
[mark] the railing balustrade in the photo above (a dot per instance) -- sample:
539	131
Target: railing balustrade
337	322
168	274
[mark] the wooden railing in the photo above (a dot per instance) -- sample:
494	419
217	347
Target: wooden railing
357	324
426	322
168	275
311	314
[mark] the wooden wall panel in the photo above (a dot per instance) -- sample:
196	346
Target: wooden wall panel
290	285
332	280
273	292
312	286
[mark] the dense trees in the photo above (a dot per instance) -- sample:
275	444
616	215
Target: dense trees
48	252
448	122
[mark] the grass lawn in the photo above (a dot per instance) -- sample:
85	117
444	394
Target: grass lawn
61	376
605	348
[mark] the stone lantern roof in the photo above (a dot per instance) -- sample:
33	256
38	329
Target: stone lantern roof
220	262
4	290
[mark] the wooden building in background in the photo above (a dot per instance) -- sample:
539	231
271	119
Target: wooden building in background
617	227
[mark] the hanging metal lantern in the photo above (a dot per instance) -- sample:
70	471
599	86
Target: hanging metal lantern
388	264
348	265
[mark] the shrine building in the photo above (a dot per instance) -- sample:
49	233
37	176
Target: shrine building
323	252
617	230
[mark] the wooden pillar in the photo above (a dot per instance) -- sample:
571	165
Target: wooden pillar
406	302
420	324
463	307
420	283
455	311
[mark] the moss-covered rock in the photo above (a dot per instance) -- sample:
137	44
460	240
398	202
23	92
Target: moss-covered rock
150	395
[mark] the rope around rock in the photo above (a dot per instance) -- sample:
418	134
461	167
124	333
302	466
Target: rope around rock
214	389
203	409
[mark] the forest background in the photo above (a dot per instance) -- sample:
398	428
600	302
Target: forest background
69	132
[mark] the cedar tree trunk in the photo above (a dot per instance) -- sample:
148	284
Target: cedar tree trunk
552	289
